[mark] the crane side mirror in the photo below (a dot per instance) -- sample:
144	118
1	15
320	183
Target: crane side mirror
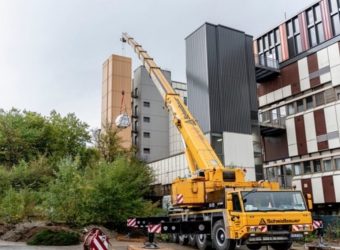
309	202
230	206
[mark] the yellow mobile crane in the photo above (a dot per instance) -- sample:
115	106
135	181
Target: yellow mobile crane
216	205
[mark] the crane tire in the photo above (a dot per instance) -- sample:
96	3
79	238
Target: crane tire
254	246
203	241
192	240
282	246
183	239
219	237
174	238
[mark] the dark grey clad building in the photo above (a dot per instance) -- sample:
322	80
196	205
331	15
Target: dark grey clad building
222	93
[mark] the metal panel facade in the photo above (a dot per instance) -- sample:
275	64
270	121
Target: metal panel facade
220	65
197	77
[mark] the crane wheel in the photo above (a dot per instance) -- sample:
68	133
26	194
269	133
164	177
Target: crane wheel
282	246
192	240
174	238
183	239
203	241
219	237
254	246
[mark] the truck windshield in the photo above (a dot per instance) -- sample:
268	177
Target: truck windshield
273	201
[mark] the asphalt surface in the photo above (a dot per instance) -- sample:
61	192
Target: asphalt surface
116	245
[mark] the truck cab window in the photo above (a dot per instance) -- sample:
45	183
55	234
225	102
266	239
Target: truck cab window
236	202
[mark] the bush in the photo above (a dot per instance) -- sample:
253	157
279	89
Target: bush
19	205
54	238
107	193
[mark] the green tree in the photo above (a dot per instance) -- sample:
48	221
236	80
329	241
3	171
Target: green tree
109	144
105	193
27	135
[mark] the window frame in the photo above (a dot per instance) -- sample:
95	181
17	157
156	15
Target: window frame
146	119
312	25
323	165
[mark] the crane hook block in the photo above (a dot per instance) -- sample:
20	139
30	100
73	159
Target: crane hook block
123	121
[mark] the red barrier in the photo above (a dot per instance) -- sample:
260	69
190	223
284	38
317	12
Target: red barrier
96	240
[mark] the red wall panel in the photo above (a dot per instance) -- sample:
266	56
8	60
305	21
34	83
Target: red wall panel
320	127
328	189
275	147
301	135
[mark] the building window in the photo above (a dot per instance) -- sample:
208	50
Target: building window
146	150
146	134
291	108
146	119
294	37
316	166
337	163
297	169
309	102
327	165
334	10
306	167
185	99
319	99
299	105
274	115
269	47
315	28
146	104
271	174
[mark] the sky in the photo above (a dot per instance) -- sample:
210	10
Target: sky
52	51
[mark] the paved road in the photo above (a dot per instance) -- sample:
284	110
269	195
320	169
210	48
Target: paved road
116	245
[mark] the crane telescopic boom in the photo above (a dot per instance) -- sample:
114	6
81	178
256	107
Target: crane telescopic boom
200	154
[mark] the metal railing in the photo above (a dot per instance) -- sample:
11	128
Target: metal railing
267	120
264	61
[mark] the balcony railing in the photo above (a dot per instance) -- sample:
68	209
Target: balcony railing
134	94
272	125
265	67
264	61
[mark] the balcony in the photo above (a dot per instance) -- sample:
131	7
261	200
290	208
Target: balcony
265	67
271	126
134	94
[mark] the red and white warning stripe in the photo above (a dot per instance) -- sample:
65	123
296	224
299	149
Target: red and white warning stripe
156	229
297	228
317	224
132	222
96	240
100	244
262	229
179	198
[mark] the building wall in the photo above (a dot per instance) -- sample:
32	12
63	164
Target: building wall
176	144
198	77
305	99
150	119
168	169
222	89
116	78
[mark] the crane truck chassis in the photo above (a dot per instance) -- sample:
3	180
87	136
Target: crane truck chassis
216	206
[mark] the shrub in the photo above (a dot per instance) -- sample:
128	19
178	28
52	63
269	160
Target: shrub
19	205
54	238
